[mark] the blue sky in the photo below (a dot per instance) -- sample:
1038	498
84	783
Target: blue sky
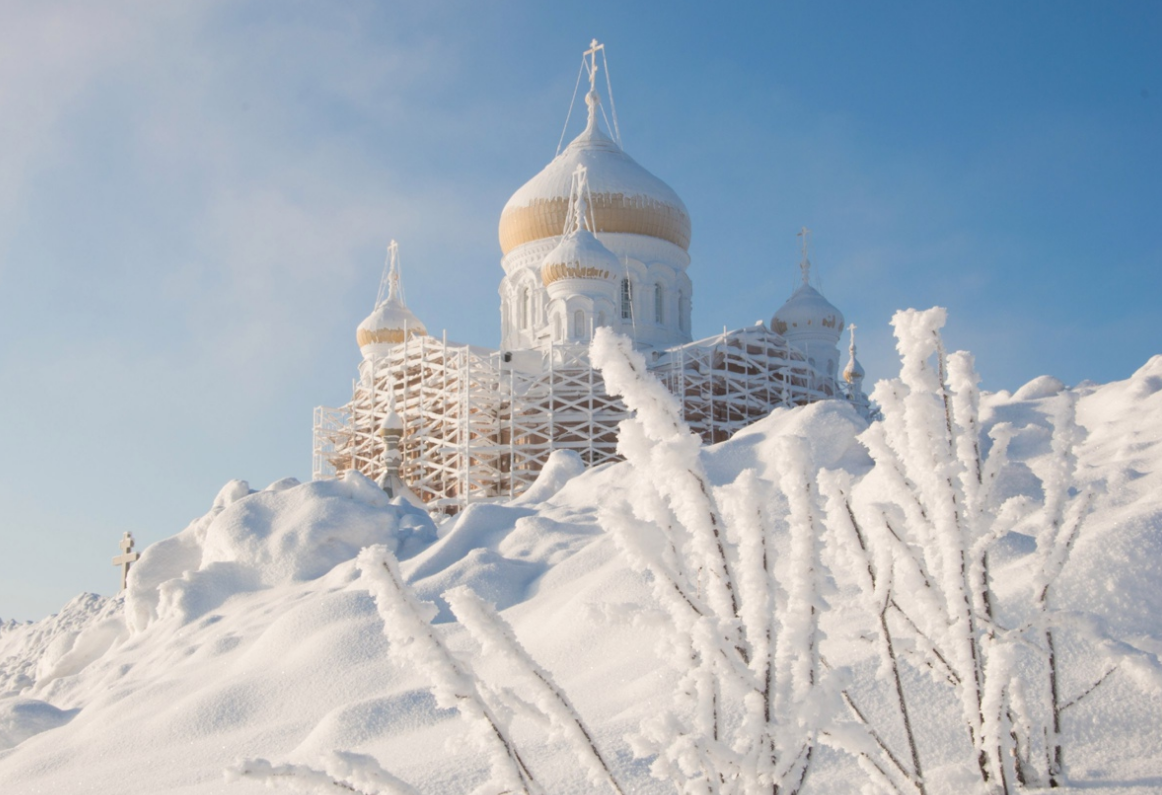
195	198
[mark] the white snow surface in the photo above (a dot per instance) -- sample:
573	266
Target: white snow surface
250	635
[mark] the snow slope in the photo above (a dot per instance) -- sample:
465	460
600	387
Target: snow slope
249	634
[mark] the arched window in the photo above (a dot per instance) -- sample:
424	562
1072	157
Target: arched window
524	308
626	300
684	312
579	324
659	304
558	333
601	319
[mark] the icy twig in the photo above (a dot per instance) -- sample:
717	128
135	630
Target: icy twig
1076	699
495	637
342	772
406	623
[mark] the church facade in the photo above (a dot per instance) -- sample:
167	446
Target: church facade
592	240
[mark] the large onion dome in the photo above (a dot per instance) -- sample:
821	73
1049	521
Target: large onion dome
391	322
625	197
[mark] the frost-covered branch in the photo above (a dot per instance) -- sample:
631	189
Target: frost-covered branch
797	673
741	642
927	453
848	739
1076	699
406	623
495	637
664	449
1061	527
873	569
342	772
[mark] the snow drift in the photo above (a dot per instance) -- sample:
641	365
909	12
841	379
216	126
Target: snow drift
251	635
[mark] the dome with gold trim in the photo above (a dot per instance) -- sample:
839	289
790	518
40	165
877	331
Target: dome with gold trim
853	371
391	322
626	198
580	262
808	312
580	256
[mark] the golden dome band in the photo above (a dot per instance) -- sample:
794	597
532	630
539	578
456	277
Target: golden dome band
552	273
545	218
390	336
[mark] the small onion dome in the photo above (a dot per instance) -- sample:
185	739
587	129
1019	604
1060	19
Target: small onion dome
392	422
388	325
580	264
626	197
854	370
808	313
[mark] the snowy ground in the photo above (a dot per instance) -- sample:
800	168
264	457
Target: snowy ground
251	635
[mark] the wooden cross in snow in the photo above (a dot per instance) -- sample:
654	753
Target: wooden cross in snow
127	557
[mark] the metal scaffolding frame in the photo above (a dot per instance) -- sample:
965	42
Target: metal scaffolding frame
730	381
479	426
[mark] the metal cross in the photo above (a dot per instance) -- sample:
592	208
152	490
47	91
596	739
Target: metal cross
594	47
127	557
389	282
805	265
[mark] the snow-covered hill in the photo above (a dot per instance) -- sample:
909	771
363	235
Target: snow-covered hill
250	634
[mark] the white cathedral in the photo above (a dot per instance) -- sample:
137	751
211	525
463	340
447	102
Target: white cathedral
592	240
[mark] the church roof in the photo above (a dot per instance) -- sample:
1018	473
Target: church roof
388	324
626	197
808	311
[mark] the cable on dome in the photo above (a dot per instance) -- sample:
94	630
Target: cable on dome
571	211
572	102
589	205
612	105
606	118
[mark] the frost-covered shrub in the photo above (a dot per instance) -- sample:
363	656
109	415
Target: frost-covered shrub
916	535
752	695
741	572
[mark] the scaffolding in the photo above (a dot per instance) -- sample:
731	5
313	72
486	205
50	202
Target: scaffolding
730	381
479	424
476	426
